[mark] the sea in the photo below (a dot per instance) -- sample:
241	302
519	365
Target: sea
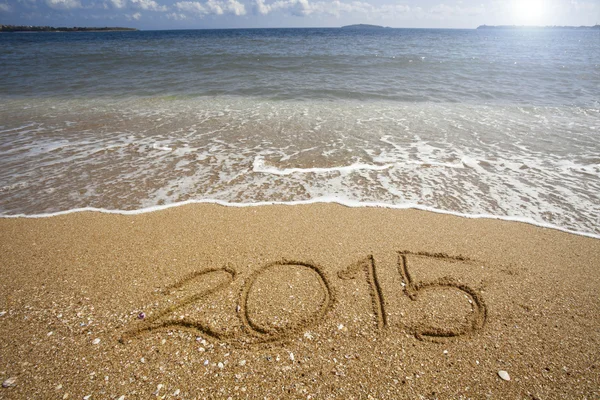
480	123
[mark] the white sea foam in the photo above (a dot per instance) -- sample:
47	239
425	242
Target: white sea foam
536	165
323	200
259	165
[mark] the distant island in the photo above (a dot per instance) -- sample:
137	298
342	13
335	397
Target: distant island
535	27
363	26
26	28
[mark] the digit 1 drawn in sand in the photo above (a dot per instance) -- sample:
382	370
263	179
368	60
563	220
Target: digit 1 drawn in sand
368	266
161	319
412	289
265	332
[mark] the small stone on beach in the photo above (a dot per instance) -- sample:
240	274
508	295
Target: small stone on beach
504	375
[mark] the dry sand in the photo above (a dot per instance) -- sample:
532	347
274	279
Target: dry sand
317	301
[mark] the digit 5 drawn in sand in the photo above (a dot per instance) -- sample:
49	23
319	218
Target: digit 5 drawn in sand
412	290
162	320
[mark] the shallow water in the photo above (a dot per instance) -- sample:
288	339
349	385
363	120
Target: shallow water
502	123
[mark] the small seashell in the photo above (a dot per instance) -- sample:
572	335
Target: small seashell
12	381
141	315
242	363
220	365
176	392
88	397
158	387
292	356
121	398
96	341
504	375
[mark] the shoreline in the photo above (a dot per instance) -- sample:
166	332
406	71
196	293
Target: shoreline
344	203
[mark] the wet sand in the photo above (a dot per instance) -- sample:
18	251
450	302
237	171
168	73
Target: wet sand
316	301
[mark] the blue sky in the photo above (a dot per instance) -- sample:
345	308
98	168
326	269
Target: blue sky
184	14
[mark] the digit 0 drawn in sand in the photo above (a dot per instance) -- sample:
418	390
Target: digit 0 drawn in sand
162	320
268	332
411	289
368	266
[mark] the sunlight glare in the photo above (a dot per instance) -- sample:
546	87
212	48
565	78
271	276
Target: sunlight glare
528	12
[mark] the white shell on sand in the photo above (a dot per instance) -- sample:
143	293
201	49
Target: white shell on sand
504	375
9	382
96	341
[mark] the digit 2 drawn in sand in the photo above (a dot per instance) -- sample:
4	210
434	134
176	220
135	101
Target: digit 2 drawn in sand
161	319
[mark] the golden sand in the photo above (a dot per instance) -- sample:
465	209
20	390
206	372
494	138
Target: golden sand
317	301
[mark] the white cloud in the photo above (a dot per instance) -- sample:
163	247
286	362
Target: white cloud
149	5
119	3
5	7
213	7
136	16
177	16
335	8
443	10
63	4
580	5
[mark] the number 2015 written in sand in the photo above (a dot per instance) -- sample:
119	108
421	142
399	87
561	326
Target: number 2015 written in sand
257	330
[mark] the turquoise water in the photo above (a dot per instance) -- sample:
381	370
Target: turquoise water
499	123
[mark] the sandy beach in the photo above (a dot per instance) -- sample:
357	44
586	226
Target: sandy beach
317	301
